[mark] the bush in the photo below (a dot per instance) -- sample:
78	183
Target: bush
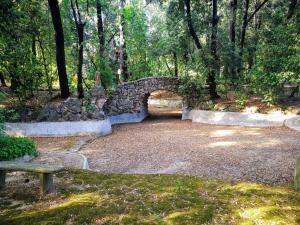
13	147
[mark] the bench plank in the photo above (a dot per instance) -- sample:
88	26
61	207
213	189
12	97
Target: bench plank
29	167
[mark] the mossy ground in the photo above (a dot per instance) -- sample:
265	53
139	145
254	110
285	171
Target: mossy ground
95	198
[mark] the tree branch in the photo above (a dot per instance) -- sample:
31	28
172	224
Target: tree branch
187	4
256	10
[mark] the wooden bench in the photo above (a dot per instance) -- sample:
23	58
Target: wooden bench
45	171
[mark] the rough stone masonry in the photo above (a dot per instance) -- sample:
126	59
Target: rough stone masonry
131	97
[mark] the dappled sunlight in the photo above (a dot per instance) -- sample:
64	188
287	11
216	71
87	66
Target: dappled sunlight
158	199
245	187
270	214
222	133
222	143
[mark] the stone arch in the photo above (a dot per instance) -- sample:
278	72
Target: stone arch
131	97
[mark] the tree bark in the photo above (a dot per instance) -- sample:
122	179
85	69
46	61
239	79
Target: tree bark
80	34
100	28
123	54
232	38
187	5
3	83
60	48
80	31
244	25
101	36
175	64
211	80
292	8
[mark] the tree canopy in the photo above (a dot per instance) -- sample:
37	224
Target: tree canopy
219	44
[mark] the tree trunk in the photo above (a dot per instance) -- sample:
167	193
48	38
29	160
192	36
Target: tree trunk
60	48
3	83
232	38
211	80
292	8
48	78
175	64
123	55
100	28
101	36
80	30
187	4
80	35
244	25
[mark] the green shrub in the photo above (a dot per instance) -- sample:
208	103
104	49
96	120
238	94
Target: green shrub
13	147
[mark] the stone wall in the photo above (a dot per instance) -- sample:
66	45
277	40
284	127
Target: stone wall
74	109
131	97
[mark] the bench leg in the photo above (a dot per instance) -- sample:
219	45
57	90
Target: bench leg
2	178
46	185
297	175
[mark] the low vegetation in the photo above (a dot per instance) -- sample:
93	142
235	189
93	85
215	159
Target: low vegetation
14	147
94	198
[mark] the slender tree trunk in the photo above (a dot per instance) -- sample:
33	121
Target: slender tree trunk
187	5
292	8
80	30
49	81
33	46
232	38
80	35
175	64
213	47
244	25
123	55
100	28
101	36
60	48
117	57
3	83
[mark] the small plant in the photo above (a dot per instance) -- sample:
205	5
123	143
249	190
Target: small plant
12	147
241	100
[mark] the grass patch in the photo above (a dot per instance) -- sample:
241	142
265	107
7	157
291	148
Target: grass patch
95	198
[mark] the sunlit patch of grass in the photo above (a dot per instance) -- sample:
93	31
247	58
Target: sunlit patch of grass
157	199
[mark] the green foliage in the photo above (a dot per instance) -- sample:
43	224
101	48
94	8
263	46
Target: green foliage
12	147
192	89
6	114
241	100
277	60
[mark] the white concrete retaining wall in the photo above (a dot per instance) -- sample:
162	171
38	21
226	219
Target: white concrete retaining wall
293	123
128	118
236	118
74	128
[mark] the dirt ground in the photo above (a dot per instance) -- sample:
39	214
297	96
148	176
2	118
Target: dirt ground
166	144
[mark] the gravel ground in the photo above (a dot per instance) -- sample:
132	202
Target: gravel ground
169	145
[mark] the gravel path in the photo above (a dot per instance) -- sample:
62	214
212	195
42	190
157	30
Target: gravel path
265	155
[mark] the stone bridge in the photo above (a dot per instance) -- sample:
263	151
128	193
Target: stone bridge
132	97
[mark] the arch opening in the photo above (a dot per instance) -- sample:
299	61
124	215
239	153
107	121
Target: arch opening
163	104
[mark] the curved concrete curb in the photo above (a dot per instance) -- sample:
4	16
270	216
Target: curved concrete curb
128	118
236	118
293	123
46	129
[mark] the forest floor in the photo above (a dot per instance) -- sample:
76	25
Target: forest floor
85	197
164	143
172	146
244	157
